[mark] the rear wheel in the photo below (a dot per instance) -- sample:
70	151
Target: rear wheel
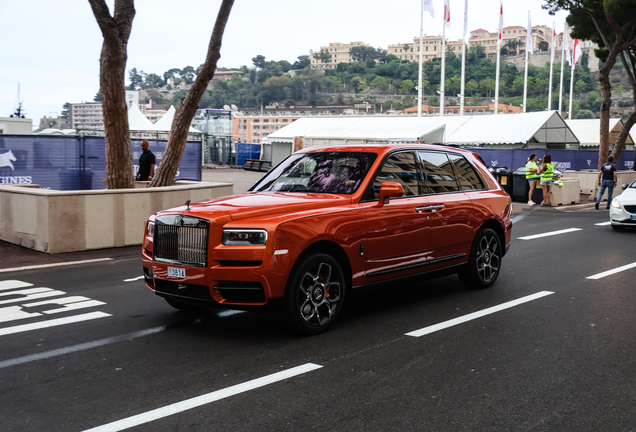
315	294
484	261
185	307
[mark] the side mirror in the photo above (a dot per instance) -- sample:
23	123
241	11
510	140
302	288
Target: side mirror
389	190
624	186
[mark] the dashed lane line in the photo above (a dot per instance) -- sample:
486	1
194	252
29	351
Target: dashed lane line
203	399
551	233
475	315
133	279
611	272
42	266
604	223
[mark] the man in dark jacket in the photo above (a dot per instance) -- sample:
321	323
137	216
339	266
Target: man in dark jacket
609	177
146	163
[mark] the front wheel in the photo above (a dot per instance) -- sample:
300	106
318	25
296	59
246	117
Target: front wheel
315	294
484	261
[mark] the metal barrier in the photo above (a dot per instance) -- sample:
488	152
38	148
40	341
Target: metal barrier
76	162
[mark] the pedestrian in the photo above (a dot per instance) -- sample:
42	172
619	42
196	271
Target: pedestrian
146	163
531	176
547	173
610	177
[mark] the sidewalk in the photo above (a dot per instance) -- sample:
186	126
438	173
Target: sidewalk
12	256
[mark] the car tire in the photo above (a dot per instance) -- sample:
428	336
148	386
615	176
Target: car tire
484	262
618	227
315	294
185	307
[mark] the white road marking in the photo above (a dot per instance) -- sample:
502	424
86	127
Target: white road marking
478	314
52	323
604	223
41	266
13	313
29	294
536	236
13	284
229	312
203	399
133	279
80	347
611	272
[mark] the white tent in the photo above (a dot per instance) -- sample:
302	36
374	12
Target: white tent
544	129
137	121
588	131
164	124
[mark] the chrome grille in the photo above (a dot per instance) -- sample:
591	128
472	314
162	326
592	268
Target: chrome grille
181	240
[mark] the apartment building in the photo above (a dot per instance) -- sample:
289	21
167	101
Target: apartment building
87	116
252	129
339	54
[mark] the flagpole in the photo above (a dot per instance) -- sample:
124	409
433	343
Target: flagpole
499	41
419	86
551	63
525	74
562	64
442	80
461	96
571	83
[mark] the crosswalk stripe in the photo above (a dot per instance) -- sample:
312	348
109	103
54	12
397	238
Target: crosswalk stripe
52	323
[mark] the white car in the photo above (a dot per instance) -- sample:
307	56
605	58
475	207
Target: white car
623	209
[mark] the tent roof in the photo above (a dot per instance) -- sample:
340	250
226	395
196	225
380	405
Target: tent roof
545	126
164	124
362	128
137	121
588	130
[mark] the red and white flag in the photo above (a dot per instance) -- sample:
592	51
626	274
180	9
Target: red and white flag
554	36
427	6
576	54
447	13
500	31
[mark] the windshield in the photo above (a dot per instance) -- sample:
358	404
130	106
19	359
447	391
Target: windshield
324	172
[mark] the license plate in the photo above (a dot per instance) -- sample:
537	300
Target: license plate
632	217
176	272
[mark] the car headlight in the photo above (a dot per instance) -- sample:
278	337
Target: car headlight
616	203
245	237
150	230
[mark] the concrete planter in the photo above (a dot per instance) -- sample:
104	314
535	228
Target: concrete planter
588	181
68	221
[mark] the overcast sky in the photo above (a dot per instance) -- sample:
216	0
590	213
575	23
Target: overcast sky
52	48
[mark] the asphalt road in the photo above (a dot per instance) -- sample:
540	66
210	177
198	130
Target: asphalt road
545	349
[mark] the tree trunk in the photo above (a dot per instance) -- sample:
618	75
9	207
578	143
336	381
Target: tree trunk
606	103
631	73
187	107
116	31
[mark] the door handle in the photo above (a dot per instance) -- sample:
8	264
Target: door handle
429	209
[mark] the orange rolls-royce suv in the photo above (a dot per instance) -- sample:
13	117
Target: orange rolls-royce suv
327	221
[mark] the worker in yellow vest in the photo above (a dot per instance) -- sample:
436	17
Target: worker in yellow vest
532	176
547	173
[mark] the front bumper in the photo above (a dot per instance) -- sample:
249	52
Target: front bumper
621	217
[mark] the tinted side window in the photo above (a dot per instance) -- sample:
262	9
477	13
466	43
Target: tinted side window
399	168
438	173
466	175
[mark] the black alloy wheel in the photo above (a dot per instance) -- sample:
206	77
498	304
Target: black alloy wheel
315	294
484	262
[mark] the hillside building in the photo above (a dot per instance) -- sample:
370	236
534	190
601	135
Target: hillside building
339	54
